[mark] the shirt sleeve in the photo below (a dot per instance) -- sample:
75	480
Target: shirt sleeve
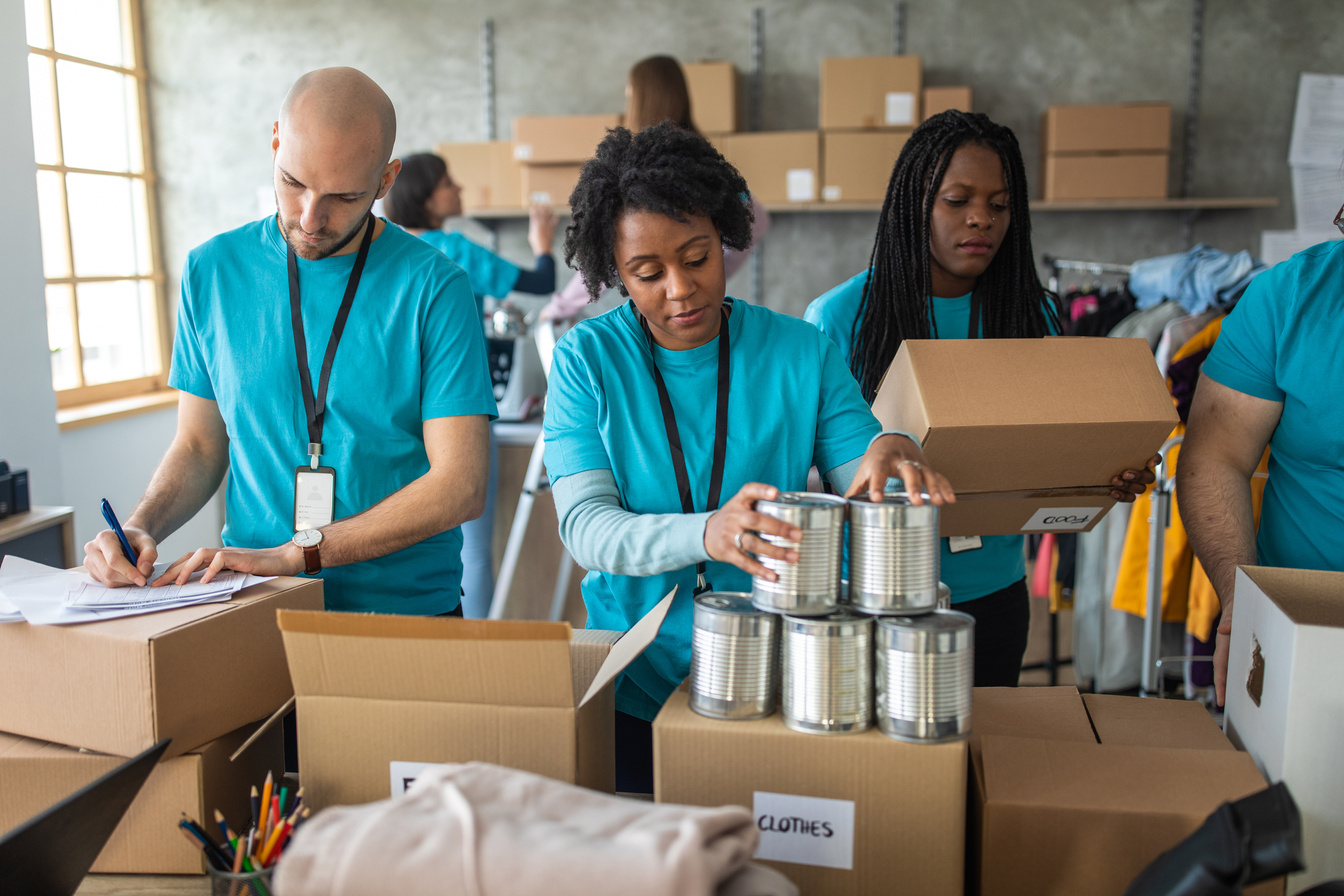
573	441
540	280
454	376
1246	354
568	301
188	372
490	274
845	423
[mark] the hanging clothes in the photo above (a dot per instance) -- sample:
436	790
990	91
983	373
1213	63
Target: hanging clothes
1198	279
1148	323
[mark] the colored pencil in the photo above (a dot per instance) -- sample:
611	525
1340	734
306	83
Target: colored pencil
256	806
264	824
204	843
284	795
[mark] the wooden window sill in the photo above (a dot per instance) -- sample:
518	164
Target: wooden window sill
105	411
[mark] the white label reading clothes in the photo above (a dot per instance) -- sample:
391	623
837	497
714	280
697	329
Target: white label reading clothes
806	830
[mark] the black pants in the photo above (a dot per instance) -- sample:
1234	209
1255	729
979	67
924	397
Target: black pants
1002	620
634	754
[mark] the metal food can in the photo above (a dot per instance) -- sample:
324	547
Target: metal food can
893	555
925	673
734	657
810	587
827	677
944	596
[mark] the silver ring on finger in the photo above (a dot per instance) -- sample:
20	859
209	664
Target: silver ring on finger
907	462
737	540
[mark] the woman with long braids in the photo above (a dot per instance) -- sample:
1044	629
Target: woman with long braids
953	260
751	399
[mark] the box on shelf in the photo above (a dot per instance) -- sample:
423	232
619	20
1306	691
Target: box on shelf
1133	175
779	167
487	173
1283	701
559	139
716	96
549	184
857	165
848	814
871	92
120	686
1118	127
147	841
1028	431
380	697
1101	787
940	99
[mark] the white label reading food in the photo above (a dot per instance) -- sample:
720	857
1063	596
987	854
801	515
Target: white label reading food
831	193
805	830
800	185
958	543
405	773
900	108
1062	519
522	151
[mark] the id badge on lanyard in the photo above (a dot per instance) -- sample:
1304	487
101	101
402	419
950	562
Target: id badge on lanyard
314	497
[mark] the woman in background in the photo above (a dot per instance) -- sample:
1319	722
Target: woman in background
655	91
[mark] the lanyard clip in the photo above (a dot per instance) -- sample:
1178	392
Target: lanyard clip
702	584
314	452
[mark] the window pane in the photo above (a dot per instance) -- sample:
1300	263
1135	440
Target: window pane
108	225
119	330
35	14
51	213
91	29
44	115
100	118
61	336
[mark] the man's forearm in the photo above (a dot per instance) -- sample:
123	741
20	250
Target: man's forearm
185	479
1215	502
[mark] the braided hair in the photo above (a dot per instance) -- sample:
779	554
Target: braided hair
895	304
664	169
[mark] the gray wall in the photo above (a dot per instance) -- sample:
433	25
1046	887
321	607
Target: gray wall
220	70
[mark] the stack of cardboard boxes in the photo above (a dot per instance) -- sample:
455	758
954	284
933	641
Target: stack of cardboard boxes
1120	151
77	698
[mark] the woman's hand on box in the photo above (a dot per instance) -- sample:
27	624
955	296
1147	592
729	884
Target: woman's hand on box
896	457
1131	483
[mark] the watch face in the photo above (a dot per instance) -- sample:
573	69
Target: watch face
306	538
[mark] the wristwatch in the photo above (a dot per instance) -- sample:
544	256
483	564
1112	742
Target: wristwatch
310	540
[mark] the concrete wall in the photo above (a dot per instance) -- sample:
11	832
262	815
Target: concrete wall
220	70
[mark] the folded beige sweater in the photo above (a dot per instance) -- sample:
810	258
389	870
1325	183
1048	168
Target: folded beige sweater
483	830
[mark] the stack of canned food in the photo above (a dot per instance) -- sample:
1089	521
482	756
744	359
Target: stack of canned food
887	646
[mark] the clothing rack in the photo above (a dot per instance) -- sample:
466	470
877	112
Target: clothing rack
1088	267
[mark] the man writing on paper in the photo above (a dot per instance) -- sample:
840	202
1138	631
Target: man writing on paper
360	463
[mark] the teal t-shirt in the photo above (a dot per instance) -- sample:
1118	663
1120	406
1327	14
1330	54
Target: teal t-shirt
411	351
1000	560
488	274
791	404
1284	342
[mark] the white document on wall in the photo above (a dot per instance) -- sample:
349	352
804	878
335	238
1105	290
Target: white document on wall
1280	245
1318	122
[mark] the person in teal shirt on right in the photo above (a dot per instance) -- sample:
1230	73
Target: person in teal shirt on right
954	260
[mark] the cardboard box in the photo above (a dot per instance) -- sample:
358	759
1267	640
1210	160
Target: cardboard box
1106	176
1028	431
716	96
37	774
559	139
940	99
377	694
1284	705
488	174
857	165
121	686
779	167
1064	810
861	813
1118	127
871	92
549	184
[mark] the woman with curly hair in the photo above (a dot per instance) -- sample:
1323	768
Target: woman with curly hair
681	396
952	260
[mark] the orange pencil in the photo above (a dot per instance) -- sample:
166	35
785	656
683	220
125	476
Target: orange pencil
265	822
271	843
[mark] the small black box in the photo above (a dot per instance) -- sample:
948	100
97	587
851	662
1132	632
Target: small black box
21	502
6	495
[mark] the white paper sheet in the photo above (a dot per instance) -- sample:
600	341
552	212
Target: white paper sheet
1318	122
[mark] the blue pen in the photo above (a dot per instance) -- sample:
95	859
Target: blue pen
121	536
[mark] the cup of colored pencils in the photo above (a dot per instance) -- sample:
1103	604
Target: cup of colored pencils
240	861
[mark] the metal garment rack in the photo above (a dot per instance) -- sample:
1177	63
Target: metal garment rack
1087	267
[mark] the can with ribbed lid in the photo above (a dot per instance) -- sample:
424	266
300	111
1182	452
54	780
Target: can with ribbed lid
925	673
827	683
893	555
810	587
734	657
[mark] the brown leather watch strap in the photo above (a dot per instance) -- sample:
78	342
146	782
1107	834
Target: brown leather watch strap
312	559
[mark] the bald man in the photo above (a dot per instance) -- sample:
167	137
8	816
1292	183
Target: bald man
357	465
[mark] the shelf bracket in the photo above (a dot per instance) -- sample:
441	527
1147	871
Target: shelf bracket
1190	142
898	29
488	79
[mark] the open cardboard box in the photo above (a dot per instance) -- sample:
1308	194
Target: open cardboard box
1028	431
379	697
1073	794
1284	703
120	686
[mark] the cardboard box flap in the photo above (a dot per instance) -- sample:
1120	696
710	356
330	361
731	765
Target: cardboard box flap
631	645
428	659
1052	713
1180	724
1306	596
1088	777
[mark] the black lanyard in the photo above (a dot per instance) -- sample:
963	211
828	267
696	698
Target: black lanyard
973	329
674	437
315	407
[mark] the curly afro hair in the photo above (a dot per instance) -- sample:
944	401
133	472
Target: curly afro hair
664	169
